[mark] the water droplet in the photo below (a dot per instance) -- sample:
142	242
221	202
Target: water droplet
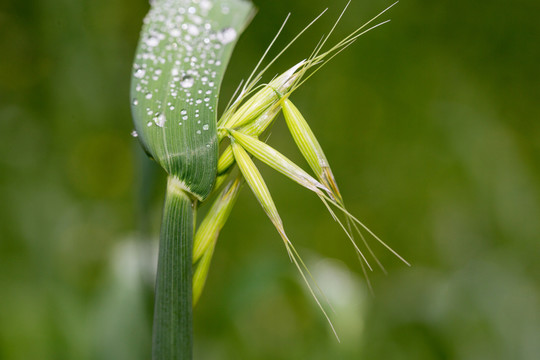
152	41
206	99
192	30
205	127
185	117
226	35
187	81
196	19
160	120
206	5
135	102
134	133
183	112
199	132
148	96
149	124
139	73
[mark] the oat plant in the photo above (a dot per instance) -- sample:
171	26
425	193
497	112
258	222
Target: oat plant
183	51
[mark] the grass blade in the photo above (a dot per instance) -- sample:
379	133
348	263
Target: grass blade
175	125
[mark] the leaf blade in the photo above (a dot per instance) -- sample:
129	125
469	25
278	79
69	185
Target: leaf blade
182	54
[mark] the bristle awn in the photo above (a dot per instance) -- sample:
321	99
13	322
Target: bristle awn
344	43
231	100
335	24
354	219
354	34
321	61
366	276
366	244
324	200
377	238
266	52
291	42
260	190
296	258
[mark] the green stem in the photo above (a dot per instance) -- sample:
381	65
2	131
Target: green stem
173	318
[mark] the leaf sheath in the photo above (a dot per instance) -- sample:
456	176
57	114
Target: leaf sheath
173	316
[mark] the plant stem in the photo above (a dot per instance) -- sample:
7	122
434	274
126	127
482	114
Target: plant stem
173	317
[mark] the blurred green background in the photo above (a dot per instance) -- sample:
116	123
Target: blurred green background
431	124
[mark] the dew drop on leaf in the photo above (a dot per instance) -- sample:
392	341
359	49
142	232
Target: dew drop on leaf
226	35
187	81
139	73
160	120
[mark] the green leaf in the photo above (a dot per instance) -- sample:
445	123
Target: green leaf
182	54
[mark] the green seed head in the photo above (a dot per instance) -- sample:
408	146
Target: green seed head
277	161
215	219
206	236
256	183
263	99
254	128
309	147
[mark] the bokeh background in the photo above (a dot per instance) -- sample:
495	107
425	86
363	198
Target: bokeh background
431	124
